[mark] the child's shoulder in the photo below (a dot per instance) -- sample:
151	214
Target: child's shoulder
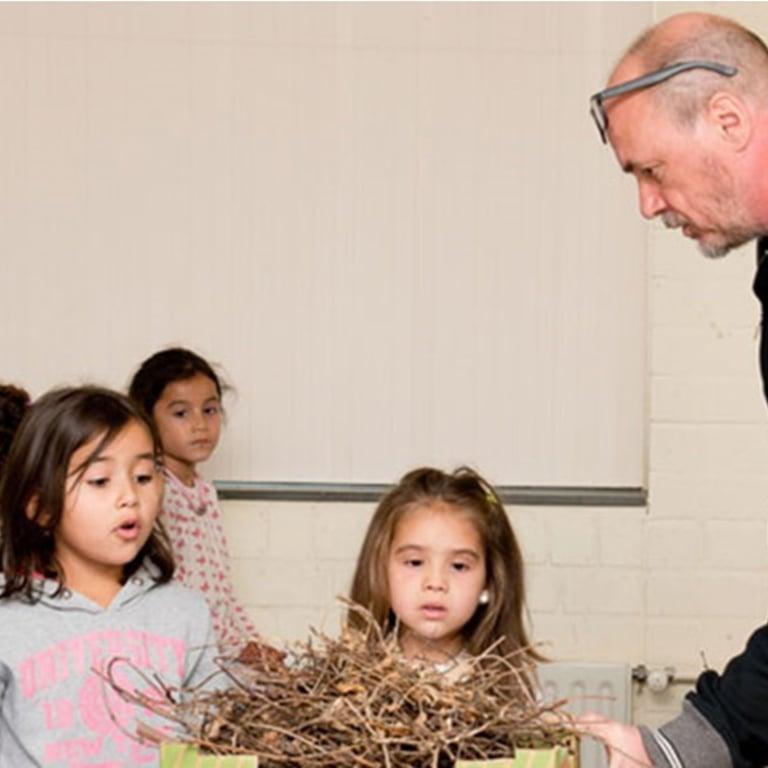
183	599
12	604
172	608
174	592
177	592
176	596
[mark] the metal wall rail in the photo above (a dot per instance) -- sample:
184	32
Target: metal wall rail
515	495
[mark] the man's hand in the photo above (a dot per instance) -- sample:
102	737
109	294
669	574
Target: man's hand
623	743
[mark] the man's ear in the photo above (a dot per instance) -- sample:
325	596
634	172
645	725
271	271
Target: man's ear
731	118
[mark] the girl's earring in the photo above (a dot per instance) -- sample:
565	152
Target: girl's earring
484	597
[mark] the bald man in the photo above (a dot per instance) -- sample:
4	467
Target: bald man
686	113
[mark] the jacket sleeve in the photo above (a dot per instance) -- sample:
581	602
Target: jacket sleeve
725	720
688	741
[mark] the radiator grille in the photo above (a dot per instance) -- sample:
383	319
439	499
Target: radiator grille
594	687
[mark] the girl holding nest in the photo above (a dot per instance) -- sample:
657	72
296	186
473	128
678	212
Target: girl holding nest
441	567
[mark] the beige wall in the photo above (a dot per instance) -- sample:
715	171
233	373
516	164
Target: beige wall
382	219
113	208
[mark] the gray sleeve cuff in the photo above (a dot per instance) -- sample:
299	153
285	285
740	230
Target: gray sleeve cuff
688	741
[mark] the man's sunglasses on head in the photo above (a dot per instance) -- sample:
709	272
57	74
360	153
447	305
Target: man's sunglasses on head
646	81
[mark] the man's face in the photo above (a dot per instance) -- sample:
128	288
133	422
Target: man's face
682	173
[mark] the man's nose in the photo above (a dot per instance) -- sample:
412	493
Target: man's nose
652	203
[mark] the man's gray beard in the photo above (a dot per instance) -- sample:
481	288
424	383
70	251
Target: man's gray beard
713	251
726	202
735	240
736	237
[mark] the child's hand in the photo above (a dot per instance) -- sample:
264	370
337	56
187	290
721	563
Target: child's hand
257	653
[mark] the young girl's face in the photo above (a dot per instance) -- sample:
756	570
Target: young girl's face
188	418
435	573
109	510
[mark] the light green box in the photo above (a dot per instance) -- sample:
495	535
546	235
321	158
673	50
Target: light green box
556	757
173	755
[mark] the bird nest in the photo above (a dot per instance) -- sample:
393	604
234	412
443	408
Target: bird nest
356	701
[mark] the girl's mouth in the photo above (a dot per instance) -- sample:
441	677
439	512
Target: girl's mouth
128	531
433	611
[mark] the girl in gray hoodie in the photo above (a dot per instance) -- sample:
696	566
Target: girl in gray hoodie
86	572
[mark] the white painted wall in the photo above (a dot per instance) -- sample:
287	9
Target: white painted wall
381	218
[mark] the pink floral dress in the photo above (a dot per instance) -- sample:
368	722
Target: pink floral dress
193	520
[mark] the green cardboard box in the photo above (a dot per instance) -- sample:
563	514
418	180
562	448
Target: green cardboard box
173	755
556	757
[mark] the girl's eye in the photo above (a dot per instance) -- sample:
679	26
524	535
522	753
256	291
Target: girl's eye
212	410
97	482
144	478
179	414
413	562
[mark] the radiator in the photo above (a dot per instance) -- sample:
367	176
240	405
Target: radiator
602	688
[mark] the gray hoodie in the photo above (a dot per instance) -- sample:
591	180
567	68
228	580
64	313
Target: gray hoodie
55	711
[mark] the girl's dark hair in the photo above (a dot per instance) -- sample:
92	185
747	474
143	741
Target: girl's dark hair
162	369
35	478
502	618
14	402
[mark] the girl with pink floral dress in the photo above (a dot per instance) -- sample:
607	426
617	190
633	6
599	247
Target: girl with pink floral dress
182	394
